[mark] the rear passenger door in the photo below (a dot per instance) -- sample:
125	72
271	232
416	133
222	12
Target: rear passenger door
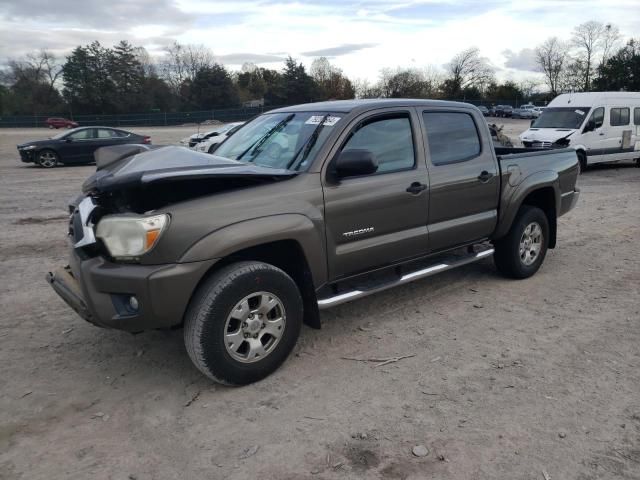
378	219
464	184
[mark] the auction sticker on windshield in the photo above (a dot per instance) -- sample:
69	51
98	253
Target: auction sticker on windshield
316	119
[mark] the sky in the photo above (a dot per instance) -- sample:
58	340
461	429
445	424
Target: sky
360	37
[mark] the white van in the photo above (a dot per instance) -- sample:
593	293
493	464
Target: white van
601	126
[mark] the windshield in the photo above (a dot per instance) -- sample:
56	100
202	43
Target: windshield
564	117
280	140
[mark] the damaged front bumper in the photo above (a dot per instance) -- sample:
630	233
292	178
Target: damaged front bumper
122	296
127	296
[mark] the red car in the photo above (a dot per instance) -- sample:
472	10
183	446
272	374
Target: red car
57	122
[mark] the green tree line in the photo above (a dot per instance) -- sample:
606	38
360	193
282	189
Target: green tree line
94	79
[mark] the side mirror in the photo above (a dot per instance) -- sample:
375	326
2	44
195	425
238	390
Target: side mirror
532	122
355	162
589	127
68	139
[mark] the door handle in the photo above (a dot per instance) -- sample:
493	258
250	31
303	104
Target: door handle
416	187
485	176
601	134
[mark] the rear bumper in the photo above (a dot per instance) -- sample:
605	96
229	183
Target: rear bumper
569	200
100	291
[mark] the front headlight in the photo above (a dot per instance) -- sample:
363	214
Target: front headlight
128	236
28	147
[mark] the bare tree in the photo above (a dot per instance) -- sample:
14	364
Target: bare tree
146	61
551	57
364	89
528	86
183	62
610	40
587	38
39	67
469	69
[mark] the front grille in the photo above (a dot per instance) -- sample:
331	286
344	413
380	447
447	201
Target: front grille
537	144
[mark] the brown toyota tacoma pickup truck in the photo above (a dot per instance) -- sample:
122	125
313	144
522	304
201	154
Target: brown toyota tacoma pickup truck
304	208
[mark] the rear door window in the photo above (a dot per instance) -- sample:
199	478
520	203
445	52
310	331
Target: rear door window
619	116
451	136
106	133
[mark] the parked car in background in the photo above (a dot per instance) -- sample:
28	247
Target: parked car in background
304	208
503	110
484	110
210	143
58	122
76	146
537	111
522	113
192	140
600	126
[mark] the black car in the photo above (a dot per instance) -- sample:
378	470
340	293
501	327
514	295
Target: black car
503	110
76	146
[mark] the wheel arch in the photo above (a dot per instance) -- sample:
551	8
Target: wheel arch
290	242
540	190
286	255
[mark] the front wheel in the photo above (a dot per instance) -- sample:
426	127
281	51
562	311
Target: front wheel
243	322
582	162
47	159
521	252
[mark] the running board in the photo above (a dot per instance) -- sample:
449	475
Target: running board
406	278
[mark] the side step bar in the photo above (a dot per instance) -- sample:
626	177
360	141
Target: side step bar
442	266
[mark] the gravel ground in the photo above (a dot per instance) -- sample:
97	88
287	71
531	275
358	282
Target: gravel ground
508	379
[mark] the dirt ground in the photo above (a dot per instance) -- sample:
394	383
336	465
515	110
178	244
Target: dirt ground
528	379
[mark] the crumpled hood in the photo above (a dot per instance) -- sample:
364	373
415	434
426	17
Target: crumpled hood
144	166
545	134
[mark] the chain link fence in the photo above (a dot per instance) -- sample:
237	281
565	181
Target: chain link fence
159	119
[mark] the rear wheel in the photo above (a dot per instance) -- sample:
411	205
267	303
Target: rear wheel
521	252
243	322
47	158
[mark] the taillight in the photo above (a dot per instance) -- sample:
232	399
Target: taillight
146	140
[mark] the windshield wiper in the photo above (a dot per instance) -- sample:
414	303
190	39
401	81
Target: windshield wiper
308	145
258	143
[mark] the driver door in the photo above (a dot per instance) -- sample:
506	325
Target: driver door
78	146
592	135
378	219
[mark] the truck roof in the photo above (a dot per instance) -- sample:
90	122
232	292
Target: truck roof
348	106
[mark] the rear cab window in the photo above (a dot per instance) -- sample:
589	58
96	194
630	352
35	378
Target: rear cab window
636	116
452	137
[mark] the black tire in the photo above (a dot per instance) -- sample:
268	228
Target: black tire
582	162
211	306
507	256
47	158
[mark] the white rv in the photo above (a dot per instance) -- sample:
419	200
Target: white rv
601	126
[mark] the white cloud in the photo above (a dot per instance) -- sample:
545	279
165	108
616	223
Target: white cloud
396	32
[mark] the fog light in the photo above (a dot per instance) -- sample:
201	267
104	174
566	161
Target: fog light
133	303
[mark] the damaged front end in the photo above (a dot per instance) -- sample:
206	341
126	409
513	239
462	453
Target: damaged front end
117	220
139	178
